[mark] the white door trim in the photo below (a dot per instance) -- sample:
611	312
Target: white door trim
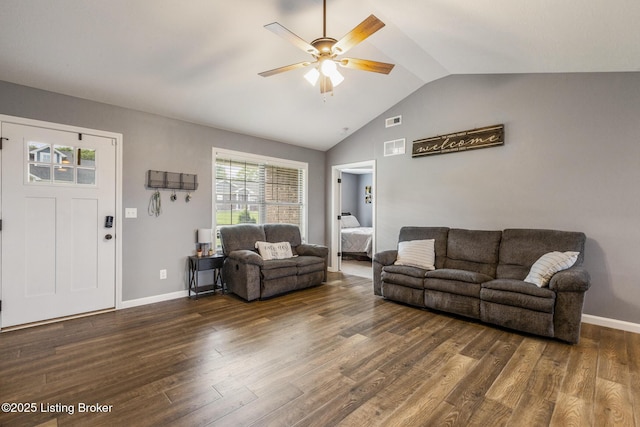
336	208
117	137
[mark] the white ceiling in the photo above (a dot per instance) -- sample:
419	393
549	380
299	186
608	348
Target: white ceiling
198	60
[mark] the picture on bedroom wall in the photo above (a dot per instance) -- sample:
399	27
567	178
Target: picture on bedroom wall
367	194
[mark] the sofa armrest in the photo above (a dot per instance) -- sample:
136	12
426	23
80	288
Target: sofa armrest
574	279
309	249
386	257
246	256
380	260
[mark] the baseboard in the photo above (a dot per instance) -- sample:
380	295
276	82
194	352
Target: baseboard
611	323
154	299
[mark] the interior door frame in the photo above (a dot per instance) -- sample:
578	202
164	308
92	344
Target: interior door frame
118	138
336	208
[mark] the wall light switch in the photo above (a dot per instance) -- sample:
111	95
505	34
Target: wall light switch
131	212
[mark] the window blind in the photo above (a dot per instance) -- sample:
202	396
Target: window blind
258	192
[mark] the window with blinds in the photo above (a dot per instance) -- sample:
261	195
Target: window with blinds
258	190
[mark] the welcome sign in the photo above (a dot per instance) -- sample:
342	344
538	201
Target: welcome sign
460	141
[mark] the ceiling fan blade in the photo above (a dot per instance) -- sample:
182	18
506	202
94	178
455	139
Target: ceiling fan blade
283	69
325	84
291	37
366	65
358	34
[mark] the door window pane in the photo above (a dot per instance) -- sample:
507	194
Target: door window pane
39	152
86	176
87	157
63	155
39	173
62	174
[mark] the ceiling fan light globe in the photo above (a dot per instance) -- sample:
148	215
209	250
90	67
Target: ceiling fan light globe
336	78
312	76
328	67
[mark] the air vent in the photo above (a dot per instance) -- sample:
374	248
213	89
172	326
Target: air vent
395	147
393	121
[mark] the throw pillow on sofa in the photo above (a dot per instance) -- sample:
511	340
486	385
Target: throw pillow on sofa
417	253
269	251
548	265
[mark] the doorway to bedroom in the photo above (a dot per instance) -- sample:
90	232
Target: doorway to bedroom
353	225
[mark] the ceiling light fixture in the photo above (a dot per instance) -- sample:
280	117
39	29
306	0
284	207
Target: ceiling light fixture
325	51
326	68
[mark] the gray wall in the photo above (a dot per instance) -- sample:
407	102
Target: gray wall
352	192
571	161
160	143
349	193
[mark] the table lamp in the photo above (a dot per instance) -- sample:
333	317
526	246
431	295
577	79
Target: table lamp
204	238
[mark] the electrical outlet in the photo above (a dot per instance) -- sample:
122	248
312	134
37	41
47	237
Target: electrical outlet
131	212
163	274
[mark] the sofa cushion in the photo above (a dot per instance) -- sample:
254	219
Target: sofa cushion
405	270
402	279
518	293
417	253
473	250
241	236
520	319
283	233
452	287
548	265
521	247
439	234
275	264
452	303
403	294
274	272
309	264
458	275
279	268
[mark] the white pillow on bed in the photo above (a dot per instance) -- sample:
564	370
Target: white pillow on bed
269	251
417	253
349	221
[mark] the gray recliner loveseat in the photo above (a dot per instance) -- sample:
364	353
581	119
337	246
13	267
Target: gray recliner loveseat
480	274
248	275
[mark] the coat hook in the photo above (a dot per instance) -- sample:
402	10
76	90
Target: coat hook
188	198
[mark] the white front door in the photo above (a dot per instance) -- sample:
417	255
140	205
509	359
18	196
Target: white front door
58	257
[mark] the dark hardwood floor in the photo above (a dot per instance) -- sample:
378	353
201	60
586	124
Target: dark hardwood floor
331	355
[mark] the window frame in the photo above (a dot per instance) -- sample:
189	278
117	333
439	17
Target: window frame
267	161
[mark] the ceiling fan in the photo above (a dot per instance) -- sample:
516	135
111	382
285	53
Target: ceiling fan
325	51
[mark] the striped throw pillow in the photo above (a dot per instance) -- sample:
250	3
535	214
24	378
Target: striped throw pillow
548	265
417	253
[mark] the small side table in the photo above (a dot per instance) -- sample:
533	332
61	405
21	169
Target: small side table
203	263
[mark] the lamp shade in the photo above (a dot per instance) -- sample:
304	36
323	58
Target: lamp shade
204	235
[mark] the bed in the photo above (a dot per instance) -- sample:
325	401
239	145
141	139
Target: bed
355	240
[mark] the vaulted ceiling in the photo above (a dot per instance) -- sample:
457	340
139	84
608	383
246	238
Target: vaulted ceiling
198	60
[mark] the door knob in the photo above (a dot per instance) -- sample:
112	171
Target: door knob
108	237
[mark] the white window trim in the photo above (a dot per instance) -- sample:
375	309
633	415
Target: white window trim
272	161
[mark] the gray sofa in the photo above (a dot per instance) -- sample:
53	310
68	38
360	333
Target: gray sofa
248	275
479	274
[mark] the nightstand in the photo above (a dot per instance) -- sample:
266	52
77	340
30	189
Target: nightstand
204	263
